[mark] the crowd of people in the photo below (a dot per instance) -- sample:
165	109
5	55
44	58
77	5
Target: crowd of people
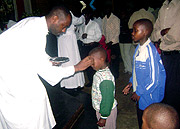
94	43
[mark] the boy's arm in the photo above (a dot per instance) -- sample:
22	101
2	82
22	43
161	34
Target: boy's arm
107	92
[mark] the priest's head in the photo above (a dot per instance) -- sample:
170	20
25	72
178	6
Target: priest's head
58	20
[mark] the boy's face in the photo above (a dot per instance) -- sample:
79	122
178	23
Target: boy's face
97	62
138	34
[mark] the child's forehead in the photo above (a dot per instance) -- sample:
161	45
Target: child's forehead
94	54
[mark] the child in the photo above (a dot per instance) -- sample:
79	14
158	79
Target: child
103	90
148	74
160	116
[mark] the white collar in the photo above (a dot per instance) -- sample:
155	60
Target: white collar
144	45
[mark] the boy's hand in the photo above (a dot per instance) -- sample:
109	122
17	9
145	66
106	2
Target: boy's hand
101	122
135	97
127	88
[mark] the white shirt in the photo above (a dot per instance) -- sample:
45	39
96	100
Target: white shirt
24	103
168	17
93	32
98	21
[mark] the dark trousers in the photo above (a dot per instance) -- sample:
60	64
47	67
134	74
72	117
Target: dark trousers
84	50
139	115
171	63
114	64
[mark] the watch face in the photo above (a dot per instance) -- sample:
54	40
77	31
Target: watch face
59	59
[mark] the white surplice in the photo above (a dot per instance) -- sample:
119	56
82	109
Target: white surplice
67	47
24	103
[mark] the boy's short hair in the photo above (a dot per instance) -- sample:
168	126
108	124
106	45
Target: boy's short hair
101	51
147	24
159	116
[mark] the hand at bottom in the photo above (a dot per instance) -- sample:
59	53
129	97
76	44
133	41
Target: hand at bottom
135	97
101	122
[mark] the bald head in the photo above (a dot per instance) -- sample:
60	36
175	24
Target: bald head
147	25
161	116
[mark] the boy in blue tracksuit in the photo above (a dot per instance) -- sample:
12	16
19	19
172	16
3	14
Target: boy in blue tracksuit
148	74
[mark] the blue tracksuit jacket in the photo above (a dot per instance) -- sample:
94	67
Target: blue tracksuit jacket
150	75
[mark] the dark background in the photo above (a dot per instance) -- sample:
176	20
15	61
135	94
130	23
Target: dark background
118	5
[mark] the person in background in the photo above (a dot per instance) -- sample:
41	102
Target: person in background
103	90
24	102
98	16
90	35
140	14
68	47
160	116
148	74
111	31
126	46
167	32
7	26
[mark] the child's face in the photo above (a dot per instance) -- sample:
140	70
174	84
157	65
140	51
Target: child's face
138	34
98	62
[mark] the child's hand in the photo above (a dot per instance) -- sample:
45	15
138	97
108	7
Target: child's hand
127	88
135	97
101	122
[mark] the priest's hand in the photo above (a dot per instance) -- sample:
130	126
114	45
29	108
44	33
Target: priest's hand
83	64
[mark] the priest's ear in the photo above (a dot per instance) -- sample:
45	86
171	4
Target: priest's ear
54	19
